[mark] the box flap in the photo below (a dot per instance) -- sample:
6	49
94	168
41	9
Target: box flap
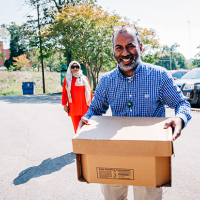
138	136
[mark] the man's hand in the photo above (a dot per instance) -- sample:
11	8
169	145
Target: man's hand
66	108
84	121
175	123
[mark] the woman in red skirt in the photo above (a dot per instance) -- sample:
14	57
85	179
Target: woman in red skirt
77	93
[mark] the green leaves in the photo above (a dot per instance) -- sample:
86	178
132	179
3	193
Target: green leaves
86	31
17	42
177	59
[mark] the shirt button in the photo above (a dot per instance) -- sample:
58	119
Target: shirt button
130	110
130	95
129	81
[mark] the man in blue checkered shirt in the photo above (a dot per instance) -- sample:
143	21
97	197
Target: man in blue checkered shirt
137	89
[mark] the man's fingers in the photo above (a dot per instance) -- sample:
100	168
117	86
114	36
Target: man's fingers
176	134
168	124
176	124
177	130
80	124
84	121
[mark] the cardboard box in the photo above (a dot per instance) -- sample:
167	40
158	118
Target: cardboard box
124	151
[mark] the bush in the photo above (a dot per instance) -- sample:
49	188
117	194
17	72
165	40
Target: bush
12	68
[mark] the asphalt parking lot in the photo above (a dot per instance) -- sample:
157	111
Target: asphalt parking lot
37	162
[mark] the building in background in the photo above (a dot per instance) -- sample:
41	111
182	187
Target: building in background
6	53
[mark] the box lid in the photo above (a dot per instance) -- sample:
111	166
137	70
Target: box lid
137	136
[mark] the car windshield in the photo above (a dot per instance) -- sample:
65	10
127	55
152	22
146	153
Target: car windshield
193	74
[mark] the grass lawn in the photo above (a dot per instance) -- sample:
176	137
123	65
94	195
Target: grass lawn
11	82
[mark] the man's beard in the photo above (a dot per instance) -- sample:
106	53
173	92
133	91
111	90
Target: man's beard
128	67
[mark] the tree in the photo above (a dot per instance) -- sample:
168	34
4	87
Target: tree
178	61
180	58
47	9
150	45
86	31
54	5
54	61
196	61
34	57
17	43
21	61
83	31
167	57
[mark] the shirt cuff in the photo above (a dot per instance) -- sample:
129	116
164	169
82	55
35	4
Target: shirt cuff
184	120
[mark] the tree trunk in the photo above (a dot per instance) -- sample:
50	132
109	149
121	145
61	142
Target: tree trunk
94	81
88	74
69	55
87	71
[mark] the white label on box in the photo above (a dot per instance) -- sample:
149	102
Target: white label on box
115	173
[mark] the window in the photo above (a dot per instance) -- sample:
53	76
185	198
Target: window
4	52
177	75
184	73
0	65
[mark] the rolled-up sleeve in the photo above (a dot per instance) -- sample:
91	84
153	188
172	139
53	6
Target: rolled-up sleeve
172	96
99	103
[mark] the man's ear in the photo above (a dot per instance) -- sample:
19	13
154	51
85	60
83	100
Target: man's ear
141	47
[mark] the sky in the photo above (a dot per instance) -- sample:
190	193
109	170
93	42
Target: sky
175	21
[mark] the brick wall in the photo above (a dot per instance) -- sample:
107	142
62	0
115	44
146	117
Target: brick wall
6	53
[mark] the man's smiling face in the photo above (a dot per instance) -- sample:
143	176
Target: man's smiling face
126	50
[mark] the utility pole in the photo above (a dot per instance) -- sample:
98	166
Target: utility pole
171	50
170	60
189	37
41	54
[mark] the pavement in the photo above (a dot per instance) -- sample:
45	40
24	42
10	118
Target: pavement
37	162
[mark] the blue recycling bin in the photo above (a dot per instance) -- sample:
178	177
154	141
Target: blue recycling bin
28	88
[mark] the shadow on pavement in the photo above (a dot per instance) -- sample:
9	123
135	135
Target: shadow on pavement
48	166
33	99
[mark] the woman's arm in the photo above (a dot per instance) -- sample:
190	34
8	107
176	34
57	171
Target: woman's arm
64	97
